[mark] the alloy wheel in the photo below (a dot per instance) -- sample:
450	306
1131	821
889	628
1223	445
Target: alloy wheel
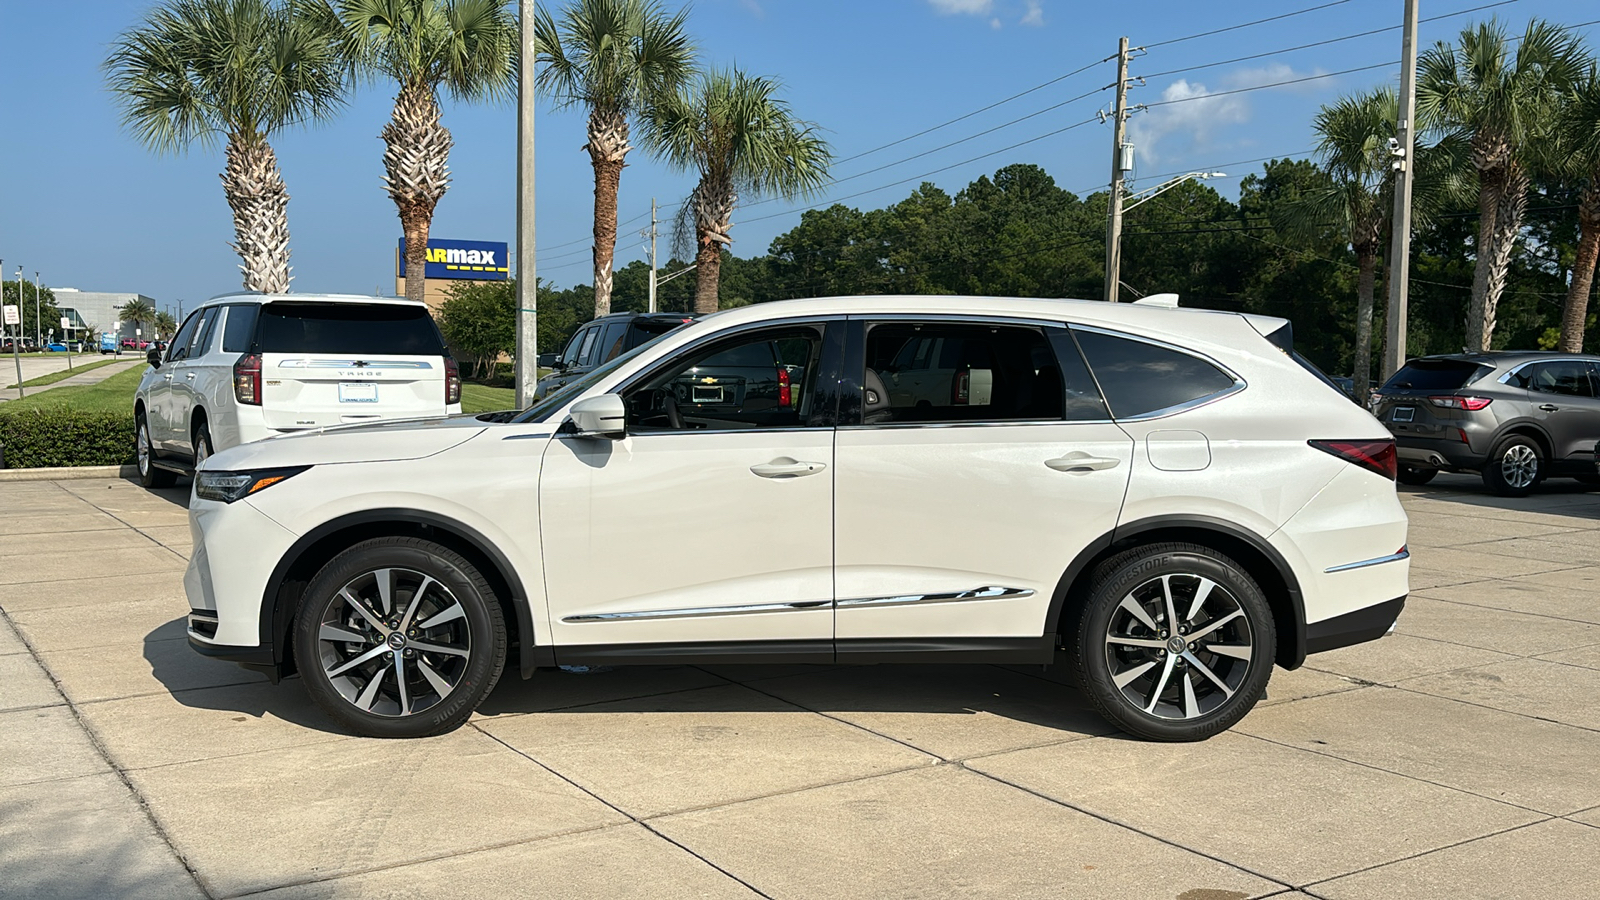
1178	646
395	642
142	443
1519	466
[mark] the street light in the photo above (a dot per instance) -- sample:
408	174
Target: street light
1114	237
36	321
1152	193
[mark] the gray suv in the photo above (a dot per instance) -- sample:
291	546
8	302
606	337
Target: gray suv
1516	417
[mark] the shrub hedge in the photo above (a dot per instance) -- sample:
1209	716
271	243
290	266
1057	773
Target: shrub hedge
64	436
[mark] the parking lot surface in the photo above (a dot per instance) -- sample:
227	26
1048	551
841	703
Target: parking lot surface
1455	758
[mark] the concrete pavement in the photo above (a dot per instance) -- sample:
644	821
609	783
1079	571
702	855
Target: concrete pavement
35	368
1454	759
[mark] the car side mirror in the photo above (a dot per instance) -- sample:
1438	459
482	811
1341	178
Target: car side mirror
604	416
155	357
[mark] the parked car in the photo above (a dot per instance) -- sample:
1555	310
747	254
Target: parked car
603	340
1516	418
135	344
243	367
1199	508
108	344
55	347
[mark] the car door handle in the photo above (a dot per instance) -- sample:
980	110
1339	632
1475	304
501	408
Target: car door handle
167	376
1081	462
189	375
784	467
1549	407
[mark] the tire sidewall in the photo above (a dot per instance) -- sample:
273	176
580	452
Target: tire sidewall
1130	571
484	620
1492	473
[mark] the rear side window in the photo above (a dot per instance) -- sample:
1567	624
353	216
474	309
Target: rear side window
1140	378
239	328
941	372
611	341
1436	375
1567	378
366	329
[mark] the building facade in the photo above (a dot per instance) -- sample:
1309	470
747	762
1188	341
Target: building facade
97	311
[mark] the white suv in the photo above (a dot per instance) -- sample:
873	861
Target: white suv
1166	494
248	366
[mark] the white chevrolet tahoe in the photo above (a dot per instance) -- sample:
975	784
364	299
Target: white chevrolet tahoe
243	367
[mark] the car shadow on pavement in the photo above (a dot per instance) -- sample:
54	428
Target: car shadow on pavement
178	495
200	682
1563	496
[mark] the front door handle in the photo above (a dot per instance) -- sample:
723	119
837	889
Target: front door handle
1081	462
785	467
1549	407
189	375
167	376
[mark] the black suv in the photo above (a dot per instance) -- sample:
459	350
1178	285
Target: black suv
603	340
1515	417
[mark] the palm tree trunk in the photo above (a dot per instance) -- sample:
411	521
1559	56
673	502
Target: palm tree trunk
608	147
416	165
1575	315
1502	201
1367	264
714	199
260	203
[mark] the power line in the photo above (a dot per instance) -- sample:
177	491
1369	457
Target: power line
1287	15
1262	87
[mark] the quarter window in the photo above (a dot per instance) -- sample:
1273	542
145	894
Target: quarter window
1140	378
949	372
764	380
239	328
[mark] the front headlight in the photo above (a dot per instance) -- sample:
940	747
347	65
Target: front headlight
226	487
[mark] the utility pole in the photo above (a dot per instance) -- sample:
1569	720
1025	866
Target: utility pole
1403	147
1119	124
652	254
527	374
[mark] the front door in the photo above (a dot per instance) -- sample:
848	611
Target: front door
712	522
962	502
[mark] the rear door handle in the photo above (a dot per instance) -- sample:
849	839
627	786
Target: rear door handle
1549	407
167	376
1081	462
784	467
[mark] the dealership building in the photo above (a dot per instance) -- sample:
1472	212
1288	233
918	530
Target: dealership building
96	310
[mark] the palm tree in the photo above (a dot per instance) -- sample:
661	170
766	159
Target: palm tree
615	58
138	312
730	129
466	48
1577	156
165	324
1504	102
238	70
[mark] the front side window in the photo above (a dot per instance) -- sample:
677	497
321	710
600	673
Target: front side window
922	372
569	354
1567	378
757	381
180	341
586	349
1140	378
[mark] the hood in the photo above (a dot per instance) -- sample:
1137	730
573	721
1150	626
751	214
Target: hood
370	442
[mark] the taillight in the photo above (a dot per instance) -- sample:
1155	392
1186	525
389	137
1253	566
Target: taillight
247	379
1470	404
785	395
961	388
452	382
1374	456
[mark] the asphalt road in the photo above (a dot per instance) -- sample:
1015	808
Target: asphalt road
1453	759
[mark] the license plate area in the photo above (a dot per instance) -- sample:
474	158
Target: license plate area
707	393
1403	414
358	392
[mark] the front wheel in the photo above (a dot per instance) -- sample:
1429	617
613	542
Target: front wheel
399	637
1175	643
1514	468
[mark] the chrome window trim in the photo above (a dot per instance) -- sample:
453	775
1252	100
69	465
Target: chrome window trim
1393	557
1239	383
990	592
701	611
697	431
992	423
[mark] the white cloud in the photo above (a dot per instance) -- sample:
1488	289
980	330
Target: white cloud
1191	124
995	23
1034	17
962	7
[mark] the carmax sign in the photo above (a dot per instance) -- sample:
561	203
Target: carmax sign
475	260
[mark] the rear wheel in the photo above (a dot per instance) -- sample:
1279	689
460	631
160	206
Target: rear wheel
399	637
1175	643
1414	475
1515	467
145	456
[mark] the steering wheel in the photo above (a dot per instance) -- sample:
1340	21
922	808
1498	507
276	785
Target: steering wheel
669	403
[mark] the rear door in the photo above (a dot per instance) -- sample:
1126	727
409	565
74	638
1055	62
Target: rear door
326	364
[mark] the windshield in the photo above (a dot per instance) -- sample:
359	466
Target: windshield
543	408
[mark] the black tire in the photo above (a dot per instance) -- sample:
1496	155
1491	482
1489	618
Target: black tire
1589	481
1515	466
475	638
203	447
1175	714
1414	475
145	457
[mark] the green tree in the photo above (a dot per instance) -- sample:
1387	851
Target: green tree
136	311
467	48
731	129
1504	102
48	315
614	58
480	319
1577	157
165	324
238	70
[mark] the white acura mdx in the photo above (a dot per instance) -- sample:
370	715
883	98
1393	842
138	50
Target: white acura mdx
1171	496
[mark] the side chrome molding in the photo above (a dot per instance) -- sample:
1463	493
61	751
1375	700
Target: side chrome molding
1393	557
983	593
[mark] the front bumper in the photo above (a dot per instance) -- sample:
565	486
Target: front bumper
225	600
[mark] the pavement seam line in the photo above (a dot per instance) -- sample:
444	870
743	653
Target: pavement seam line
620	811
1423	595
1482	837
125	522
122	775
1402	687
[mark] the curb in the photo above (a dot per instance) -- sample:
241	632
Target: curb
61	473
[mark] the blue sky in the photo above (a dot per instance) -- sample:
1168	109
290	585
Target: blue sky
89	208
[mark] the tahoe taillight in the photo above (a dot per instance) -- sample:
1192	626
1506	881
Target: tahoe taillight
785	394
1374	456
961	388
247	379
452	382
1470	404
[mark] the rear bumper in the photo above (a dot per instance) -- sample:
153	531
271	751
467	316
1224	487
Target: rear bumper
1435	454
1356	627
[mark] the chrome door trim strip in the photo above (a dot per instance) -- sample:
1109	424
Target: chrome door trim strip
1393	557
991	592
697	612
